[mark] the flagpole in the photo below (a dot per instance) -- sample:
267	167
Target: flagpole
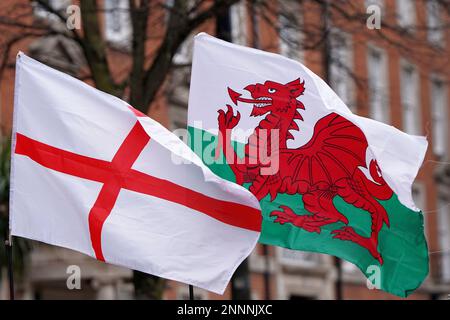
191	292
327	67
9	258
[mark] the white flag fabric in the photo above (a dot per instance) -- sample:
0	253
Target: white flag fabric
92	174
328	180
219	65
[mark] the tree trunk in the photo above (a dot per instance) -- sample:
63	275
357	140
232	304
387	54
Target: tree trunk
139	17
146	287
94	48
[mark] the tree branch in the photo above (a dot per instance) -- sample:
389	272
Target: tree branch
179	27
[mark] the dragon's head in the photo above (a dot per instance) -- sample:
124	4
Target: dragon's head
273	97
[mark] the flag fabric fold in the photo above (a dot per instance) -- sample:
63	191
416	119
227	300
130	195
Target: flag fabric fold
328	180
92	174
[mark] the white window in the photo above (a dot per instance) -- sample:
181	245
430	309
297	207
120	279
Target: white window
295	258
444	237
289	26
439	116
341	68
118	27
348	267
378	85
378	3
57	5
239	18
406	13
184	53
410	99
434	23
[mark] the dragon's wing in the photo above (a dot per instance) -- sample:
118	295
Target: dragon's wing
336	149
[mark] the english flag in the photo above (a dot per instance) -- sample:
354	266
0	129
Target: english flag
328	180
92	174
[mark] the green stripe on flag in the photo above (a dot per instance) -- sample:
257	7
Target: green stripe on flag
402	245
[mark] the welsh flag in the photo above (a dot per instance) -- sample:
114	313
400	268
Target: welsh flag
92	174
328	181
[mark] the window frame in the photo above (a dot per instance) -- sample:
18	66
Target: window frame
416	102
441	148
410	5
118	38
238	23
337	34
384	88
435	37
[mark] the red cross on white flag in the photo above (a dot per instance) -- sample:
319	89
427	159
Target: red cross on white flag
92	174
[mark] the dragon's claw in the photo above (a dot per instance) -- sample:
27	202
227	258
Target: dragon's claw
300	221
286	214
345	233
229	114
349	234
227	120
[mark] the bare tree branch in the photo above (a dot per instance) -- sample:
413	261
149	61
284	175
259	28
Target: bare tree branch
94	48
139	20
178	29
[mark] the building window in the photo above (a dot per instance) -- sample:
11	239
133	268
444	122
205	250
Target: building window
58	5
434	23
444	237
378	85
118	27
439	116
410	99
294	258
239	18
348	267
378	3
184	54
289	30
406	13
341	68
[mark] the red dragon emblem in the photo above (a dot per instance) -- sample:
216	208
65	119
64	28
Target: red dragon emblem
325	167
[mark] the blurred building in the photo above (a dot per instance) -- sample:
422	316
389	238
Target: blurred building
387	82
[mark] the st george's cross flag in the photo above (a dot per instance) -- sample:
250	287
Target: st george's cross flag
92	174
328	180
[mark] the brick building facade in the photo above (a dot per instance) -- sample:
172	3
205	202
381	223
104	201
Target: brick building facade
402	82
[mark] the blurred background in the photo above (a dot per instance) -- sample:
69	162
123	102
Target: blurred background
387	59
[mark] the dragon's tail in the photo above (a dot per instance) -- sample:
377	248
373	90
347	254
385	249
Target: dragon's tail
378	189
